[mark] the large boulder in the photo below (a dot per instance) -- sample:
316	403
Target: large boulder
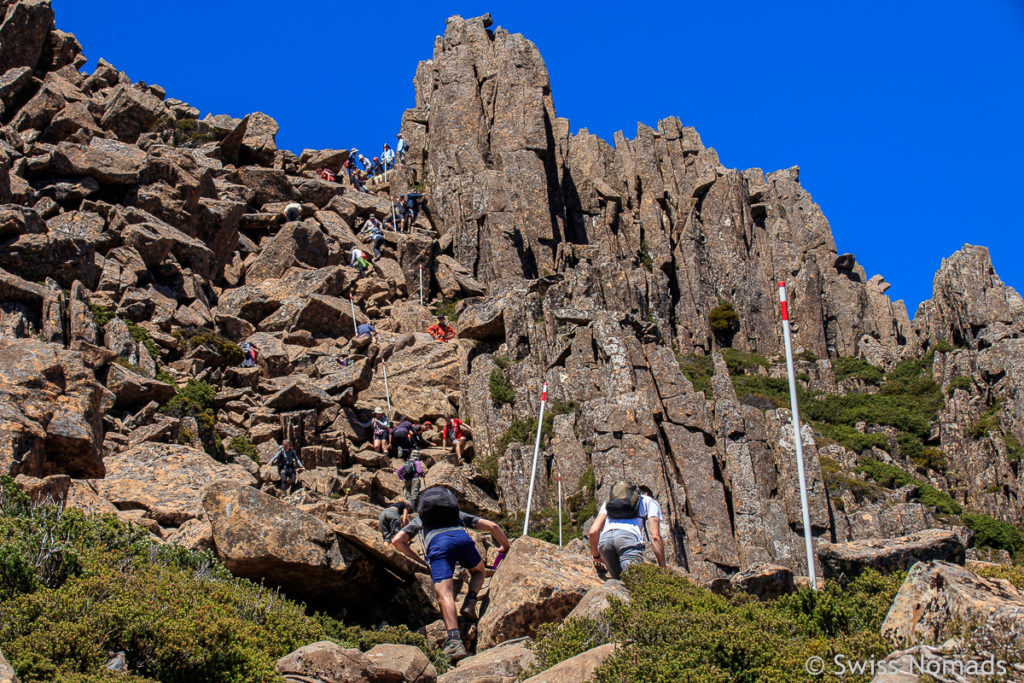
846	561
264	538
401	664
165	480
134	389
501	664
325	662
578	668
482	319
537	583
938	597
108	161
596	602
23	33
130	111
297	243
259	140
423	380
51	411
766	581
472	498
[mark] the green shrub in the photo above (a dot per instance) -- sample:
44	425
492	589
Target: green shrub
193	398
724	321
893	477
807	355
1014	450
501	389
1012	573
229	351
502	362
988	422
74	588
448	308
165	377
740	362
101	315
123	362
993	533
675	630
959	382
525	430
848	366
141	334
243	446
185	132
699	370
645	258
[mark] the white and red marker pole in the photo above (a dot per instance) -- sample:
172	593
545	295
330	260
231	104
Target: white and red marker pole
355	325
559	508
421	284
387	392
536	452
797	440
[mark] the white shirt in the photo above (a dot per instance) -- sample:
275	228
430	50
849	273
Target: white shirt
648	508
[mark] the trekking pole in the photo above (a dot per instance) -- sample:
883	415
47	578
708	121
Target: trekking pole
387	392
559	508
797	440
355	325
394	223
421	284
536	452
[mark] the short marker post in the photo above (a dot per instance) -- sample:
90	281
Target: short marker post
387	392
559	508
355	325
536	452
797	439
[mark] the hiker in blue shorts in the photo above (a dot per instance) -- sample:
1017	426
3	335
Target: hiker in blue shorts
443	527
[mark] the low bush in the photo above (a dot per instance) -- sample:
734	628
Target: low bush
75	588
740	362
959	382
845	367
993	533
449	309
243	446
699	370
988	422
724	321
893	477
101	315
500	388
675	630
229	351
141	334
525	430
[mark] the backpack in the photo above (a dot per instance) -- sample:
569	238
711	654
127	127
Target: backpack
623	501
438	508
408	470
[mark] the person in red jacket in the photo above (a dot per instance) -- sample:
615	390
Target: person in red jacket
455	432
441	330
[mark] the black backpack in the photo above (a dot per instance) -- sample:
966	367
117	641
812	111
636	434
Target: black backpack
438	508
623	501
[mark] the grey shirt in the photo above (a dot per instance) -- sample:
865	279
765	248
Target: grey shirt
416	526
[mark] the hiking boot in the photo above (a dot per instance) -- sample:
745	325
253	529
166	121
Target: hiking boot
469	609
454	650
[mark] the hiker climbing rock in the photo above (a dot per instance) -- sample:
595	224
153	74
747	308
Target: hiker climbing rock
374	233
248	355
388	155
616	536
456	432
381	430
441	330
288	465
413	200
443	527
402	148
393	518
293	212
412	474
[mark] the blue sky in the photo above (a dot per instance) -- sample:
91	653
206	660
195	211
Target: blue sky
904	117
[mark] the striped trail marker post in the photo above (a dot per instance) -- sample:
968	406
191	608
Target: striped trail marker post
536	452
421	284
355	325
559	508
797	440
387	392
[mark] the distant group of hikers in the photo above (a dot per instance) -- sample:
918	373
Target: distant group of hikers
361	169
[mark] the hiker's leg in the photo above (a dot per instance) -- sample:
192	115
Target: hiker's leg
414	489
382	519
446	599
630	555
476	577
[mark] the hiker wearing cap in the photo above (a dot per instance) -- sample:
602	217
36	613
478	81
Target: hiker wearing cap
402	148
412	472
293	212
616	536
393	518
441	330
374	232
447	543
388	155
456	432
381	432
288	465
365	161
375	167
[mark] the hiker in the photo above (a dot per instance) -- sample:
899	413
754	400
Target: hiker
412	205
457	432
288	465
388	155
293	212
248	355
381	430
376	168
447	542
412	474
327	174
365	161
357	254
616	536
366	330
364	266
374	232
402	148
441	330
393	518
416	435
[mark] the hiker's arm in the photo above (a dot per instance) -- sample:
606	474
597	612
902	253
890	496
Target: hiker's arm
405	517
401	543
654	529
496	532
594	534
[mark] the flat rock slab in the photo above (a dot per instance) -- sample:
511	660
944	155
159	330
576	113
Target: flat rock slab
578	668
846	561
500	664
